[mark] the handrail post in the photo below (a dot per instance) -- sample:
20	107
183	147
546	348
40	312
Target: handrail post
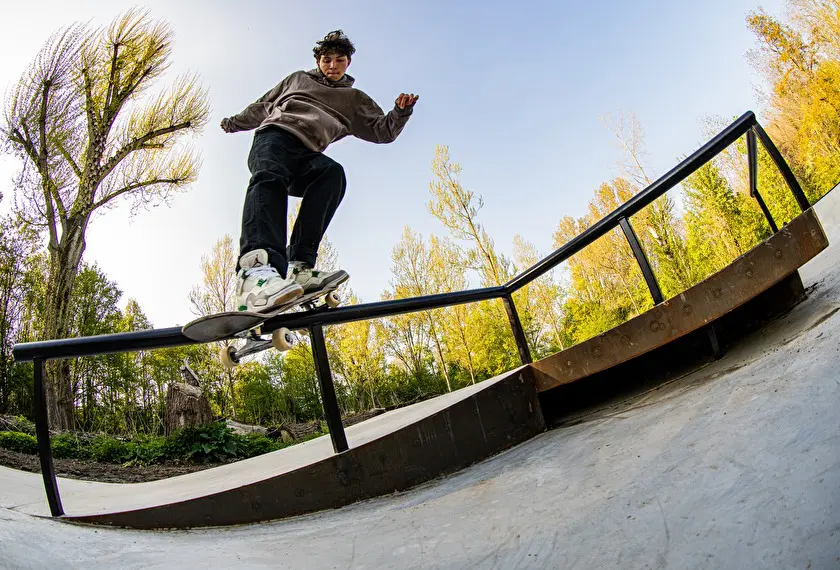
752	162
42	432
783	167
711	333
322	369
642	260
518	332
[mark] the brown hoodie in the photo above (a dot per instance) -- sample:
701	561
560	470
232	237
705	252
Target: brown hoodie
319	111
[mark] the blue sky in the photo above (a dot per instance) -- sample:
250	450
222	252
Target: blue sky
515	89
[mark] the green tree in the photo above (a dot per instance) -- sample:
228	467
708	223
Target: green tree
542	300
88	139
358	358
657	226
457	208
95	311
17	248
260	398
216	294
419	270
606	285
294	372
721	224
801	62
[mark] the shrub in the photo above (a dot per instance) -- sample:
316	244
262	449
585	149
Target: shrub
150	450
255	444
109	450
213	442
16	441
68	446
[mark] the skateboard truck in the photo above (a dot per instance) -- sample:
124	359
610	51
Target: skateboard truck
282	339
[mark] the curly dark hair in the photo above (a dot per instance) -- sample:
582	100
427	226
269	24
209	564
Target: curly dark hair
334	42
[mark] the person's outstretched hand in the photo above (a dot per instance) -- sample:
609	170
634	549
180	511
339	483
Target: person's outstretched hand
227	126
404	100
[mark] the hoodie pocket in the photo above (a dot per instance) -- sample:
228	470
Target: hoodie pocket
319	122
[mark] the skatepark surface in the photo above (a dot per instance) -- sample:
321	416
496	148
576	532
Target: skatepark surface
736	465
25	491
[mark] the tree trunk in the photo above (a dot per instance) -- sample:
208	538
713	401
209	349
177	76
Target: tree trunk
186	406
439	348
5	383
64	263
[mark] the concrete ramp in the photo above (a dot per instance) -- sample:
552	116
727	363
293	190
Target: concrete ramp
413	445
735	465
390	452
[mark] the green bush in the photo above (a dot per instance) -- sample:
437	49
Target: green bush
148	451
255	444
68	446
211	443
108	450
16	441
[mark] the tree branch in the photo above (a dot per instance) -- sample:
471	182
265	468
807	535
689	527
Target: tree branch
132	187
42	126
111	79
25	141
89	106
92	119
69	159
48	184
137	144
132	87
134	80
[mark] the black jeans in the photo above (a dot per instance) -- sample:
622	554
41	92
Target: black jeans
281	166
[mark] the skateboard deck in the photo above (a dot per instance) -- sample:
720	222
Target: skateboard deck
219	326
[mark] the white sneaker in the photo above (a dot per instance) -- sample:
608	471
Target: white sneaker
312	280
259	287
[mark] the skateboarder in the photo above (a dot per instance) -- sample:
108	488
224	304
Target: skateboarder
295	122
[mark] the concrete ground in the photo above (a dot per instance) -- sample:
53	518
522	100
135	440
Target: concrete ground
24	492
734	466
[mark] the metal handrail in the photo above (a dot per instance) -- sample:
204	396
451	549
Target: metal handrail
635	204
314	320
169	337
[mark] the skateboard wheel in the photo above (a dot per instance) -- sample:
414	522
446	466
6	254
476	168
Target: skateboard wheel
333	300
226	355
282	339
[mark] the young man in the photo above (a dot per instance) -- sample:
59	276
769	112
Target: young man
295	122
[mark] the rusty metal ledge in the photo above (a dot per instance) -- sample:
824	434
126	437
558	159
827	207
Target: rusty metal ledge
768	263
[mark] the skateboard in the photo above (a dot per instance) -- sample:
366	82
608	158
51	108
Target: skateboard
247	325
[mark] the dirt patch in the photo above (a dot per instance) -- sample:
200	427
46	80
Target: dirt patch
104	472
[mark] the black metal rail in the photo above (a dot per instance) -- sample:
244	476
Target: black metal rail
314	320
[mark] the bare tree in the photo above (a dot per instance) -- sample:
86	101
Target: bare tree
630	136
88	138
217	292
